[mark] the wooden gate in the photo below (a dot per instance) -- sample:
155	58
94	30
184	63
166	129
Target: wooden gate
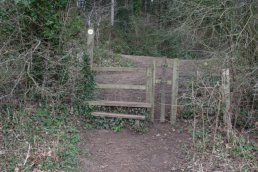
149	88
165	65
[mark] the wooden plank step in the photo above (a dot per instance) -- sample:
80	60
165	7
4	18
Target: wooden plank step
119	104
121	86
117	69
118	115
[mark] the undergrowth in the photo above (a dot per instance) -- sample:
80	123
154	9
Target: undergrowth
211	151
38	138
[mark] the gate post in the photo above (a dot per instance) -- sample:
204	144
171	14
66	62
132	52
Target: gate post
174	92
149	90
153	82
162	90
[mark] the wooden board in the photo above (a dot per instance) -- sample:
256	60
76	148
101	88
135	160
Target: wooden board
119	104
117	115
121	86
117	69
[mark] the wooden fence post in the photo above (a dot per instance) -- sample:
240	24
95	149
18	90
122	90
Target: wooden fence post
162	90
174	92
90	45
226	101
153	90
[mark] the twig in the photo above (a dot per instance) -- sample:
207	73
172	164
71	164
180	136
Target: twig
28	155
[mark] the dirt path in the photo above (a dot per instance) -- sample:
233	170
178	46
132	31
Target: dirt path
158	150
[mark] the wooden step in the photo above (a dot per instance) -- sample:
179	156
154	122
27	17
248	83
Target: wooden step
121	86
117	69
118	115
119	104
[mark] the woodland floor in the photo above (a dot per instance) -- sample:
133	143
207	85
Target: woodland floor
160	149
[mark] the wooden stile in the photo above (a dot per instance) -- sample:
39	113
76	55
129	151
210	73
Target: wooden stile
148	87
